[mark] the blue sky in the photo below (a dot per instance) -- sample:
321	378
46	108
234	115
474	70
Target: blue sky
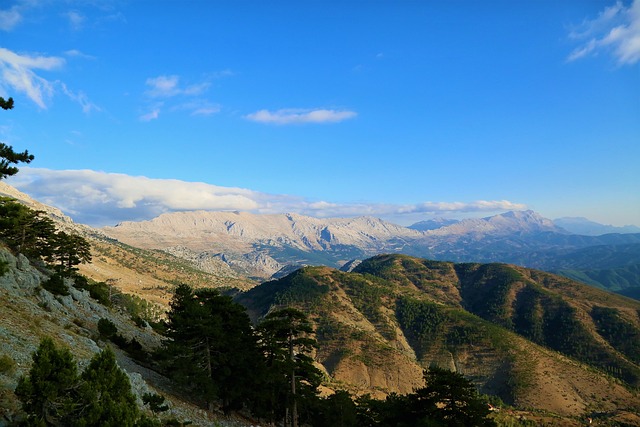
405	110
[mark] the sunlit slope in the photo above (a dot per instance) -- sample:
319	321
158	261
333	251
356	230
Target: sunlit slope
532	338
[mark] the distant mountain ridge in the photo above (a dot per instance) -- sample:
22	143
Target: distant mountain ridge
519	222
261	245
538	341
432	224
583	226
277	239
240	244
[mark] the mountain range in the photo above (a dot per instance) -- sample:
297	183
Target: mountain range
559	348
581	225
259	246
251	248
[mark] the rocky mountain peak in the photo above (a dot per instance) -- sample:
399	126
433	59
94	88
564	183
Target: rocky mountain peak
513	222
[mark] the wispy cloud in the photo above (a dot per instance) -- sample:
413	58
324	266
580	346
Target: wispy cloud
99	198
81	98
18	75
616	30
76	19
168	86
10	18
296	116
75	53
167	91
151	115
199	107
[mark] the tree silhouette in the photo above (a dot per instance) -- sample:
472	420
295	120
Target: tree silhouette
448	399
7	155
25	230
284	337
451	399
211	347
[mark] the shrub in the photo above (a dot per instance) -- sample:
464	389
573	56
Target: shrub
106	328
4	268
99	291
155	401
55	284
7	364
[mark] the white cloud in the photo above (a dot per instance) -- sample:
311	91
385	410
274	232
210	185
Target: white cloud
81	98
10	18
206	111
75	53
199	107
168	86
152	115
615	30
99	198
18	75
76	19
294	116
162	86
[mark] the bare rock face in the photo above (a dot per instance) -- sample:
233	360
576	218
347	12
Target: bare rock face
348	266
522	222
240	230
260	245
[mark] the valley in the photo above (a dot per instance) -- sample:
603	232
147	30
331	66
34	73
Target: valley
545	345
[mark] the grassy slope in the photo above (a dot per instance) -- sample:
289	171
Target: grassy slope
150	274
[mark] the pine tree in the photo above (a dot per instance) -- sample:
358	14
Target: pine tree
450	399
211	347
286	342
106	391
25	230
48	393
68	251
54	395
7	155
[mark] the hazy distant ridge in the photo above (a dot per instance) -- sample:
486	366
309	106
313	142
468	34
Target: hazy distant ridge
583	226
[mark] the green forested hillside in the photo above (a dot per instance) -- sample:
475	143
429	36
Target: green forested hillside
517	333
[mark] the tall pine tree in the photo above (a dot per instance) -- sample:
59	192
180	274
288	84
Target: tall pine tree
286	343
211	347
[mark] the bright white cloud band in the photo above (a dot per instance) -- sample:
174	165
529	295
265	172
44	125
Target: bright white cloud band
99	198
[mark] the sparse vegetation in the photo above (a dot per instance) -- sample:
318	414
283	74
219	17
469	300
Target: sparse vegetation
7	364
